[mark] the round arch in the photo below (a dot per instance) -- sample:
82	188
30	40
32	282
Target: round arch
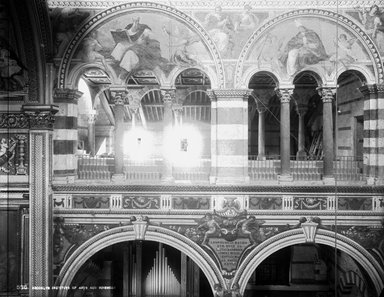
377	76
296	236
79	69
63	73
255	70
127	233
209	72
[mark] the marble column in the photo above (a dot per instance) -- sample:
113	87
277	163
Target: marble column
119	98
327	96
261	134
301	153
229	136
41	119
92	132
169	97
285	95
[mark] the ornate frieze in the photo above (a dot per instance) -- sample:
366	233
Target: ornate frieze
191	202
14	120
265	203
355	203
310	203
141	202
14	154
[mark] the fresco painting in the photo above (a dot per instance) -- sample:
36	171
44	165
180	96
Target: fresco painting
143	41
372	20
296	44
230	30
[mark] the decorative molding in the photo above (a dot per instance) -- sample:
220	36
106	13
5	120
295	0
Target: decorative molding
66	96
256	4
229	93
14	120
309	229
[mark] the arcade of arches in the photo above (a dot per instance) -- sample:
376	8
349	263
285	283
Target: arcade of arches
191	148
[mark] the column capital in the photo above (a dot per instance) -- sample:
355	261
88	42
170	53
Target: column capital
327	93
66	95
168	95
40	116
119	95
92	116
229	93
368	90
285	94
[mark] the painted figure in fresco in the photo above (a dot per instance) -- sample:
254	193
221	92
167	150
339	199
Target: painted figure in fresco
373	21
305	48
136	49
12	69
181	56
7	154
251	227
90	51
209	226
220	27
344	54
247	20
65	22
269	52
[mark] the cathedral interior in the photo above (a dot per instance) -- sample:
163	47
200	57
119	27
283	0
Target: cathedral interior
192	148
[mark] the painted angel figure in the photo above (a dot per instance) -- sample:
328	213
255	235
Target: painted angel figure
344	54
251	227
184	39
210	227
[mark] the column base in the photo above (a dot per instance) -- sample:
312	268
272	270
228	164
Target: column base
328	180
301	156
69	179
228	180
167	179
118	178
261	158
286	178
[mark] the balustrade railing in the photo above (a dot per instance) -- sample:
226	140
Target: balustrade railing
346	168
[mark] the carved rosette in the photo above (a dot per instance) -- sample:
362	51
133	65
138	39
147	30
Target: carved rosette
326	94
285	95
14	120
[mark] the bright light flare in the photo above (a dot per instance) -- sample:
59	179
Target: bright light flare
138	144
183	145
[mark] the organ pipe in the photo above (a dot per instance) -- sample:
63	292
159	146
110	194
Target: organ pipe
161	281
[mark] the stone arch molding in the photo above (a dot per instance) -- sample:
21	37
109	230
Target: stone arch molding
296	236
128	233
63	74
242	74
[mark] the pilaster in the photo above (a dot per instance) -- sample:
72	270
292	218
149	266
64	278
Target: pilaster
229	136
41	119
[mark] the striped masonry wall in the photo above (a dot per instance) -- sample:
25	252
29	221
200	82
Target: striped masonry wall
65	135
229	136
373	131
380	129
